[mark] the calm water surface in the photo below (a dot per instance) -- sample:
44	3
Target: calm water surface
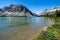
22	28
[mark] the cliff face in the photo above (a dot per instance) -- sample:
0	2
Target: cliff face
15	10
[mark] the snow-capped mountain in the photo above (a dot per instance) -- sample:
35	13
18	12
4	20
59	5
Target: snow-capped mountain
50	11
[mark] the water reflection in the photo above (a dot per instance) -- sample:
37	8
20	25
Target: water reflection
29	21
12	21
55	20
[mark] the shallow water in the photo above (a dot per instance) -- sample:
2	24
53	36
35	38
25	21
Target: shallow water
22	28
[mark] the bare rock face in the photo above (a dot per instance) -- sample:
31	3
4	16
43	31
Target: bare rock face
15	10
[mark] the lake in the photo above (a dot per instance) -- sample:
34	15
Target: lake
22	28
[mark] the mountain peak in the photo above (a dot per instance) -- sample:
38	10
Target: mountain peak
51	10
15	10
56	7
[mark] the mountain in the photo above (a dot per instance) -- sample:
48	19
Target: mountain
50	11
15	10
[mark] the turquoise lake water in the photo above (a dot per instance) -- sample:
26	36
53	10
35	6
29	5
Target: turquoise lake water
22	28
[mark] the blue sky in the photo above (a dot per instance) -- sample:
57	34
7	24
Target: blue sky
35	6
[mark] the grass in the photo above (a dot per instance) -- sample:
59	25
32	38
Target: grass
52	33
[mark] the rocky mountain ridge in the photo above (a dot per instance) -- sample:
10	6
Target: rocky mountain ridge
15	10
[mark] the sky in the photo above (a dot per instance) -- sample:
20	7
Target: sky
35	6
